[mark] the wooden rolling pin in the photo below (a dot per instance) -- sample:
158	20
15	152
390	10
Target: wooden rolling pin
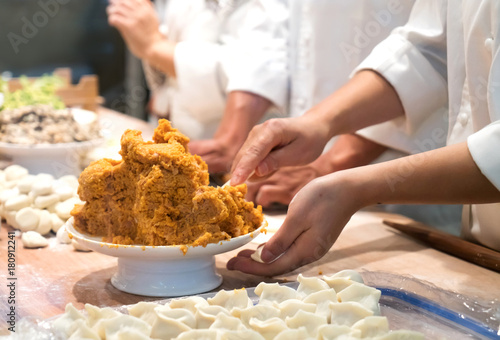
453	245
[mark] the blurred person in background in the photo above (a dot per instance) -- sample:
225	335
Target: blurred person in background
215	68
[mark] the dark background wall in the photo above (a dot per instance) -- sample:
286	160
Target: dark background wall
37	36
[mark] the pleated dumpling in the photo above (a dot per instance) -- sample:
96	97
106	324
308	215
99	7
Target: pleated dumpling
260	312
246	334
230	299
188	303
83	332
206	315
144	311
322	300
309	285
367	296
348	313
227	322
372	326
199	334
273	293
343	279
268	328
337	332
65	323
124	327
293	334
172	322
288	308
310	321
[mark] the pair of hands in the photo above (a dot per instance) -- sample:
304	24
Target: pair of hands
138	24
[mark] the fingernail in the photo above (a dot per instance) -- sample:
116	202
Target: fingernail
262	169
267	256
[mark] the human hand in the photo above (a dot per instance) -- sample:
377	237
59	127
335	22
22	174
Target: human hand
315	218
281	186
277	143
138	24
216	153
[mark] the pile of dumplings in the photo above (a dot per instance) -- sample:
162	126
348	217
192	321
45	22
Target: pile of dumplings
37	204
336	307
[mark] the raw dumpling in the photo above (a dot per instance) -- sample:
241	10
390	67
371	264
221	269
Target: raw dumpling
246	334
172	322
290	307
348	313
66	323
293	334
270	293
124	327
83	332
199	334
322	300
205	315
268	328
227	322
260	312
310	285
401	335
188	303
337	332
308	320
367	296
144	311
343	279
230	299
372	326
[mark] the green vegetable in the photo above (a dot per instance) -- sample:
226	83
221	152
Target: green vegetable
40	91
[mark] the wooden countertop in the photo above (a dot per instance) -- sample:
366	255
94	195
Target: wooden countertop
49	278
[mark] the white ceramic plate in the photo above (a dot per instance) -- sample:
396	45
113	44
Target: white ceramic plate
163	270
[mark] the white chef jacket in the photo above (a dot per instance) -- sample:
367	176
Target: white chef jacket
240	45
450	50
328	39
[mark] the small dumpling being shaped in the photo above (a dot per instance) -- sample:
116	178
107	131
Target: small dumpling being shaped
372	326
83	332
348	313
268	328
172	322
310	321
66	323
227	323
293	334
337	332
401	335
206	315
237	298
322	300
246	334
288	308
188	303
123	327
271	293
367	296
144	311
199	334
309	285
260	312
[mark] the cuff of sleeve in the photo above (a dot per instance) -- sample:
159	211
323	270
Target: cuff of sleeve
420	87
483	147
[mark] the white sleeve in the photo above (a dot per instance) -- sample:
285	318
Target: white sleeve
413	60
256	60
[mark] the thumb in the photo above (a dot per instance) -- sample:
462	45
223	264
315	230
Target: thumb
280	242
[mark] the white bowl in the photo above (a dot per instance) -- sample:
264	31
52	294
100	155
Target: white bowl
56	159
165	271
